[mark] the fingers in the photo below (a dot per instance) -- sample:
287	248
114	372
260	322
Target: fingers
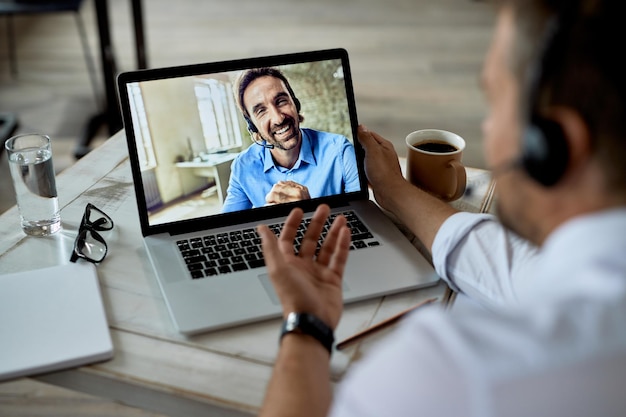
269	244
364	136
334	251
340	251
275	247
313	231
290	228
369	138
381	160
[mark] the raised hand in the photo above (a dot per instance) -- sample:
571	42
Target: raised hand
306	282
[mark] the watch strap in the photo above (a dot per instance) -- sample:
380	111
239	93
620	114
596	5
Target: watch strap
305	323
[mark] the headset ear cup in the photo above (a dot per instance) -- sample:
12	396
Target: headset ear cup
545	153
251	127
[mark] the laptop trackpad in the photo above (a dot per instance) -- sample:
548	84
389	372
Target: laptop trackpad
269	288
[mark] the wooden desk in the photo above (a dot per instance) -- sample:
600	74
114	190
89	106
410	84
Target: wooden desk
223	373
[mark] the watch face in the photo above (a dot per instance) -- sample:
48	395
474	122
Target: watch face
292	322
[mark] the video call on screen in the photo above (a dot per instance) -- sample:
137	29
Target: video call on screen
188	130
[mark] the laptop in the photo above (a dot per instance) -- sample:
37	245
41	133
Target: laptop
185	137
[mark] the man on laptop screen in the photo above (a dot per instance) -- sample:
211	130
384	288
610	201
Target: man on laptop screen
292	163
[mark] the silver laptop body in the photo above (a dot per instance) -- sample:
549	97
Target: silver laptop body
183	131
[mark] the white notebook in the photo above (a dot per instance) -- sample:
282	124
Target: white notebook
51	319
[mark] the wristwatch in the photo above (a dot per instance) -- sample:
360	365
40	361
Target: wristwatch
304	323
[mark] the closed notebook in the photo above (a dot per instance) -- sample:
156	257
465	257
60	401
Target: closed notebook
51	319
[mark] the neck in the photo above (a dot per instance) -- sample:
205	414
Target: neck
587	195
286	158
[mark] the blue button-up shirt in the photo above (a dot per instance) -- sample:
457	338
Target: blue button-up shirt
326	166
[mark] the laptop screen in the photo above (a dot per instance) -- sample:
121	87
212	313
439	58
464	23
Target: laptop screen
231	139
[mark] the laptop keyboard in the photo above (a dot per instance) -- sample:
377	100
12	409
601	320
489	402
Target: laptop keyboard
239	250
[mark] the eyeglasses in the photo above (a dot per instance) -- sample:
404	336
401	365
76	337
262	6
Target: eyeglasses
89	245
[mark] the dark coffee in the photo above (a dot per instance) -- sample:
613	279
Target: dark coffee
436	146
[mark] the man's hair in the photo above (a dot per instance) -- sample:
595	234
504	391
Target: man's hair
588	74
250	75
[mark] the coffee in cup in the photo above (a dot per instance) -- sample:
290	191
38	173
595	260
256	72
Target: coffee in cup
434	162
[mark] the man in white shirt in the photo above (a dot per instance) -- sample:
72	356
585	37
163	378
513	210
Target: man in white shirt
546	335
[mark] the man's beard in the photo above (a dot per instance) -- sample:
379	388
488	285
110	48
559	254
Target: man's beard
281	143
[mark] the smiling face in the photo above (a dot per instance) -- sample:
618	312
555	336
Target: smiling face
273	111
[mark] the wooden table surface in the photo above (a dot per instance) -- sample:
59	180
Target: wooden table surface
156	368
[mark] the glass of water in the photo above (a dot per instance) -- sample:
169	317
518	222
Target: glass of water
30	161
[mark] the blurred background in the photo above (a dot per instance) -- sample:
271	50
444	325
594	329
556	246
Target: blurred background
415	65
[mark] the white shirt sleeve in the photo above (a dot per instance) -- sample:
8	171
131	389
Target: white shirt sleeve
486	264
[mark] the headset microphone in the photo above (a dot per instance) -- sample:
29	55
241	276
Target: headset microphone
263	144
254	133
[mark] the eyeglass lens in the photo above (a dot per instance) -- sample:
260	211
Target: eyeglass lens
96	218
89	244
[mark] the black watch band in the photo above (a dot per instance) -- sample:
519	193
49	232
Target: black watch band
305	323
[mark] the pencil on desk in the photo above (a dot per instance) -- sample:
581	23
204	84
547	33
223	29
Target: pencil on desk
385	323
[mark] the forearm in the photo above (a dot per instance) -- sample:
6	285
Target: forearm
300	383
419	211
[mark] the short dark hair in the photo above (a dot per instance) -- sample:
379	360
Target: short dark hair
250	75
589	76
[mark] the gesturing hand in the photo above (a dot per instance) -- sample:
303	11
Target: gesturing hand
305	282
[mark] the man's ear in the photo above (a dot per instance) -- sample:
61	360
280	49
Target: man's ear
576	134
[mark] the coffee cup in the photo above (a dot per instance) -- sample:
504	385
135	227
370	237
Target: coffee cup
434	163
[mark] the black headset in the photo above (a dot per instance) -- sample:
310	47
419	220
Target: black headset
545	151
254	134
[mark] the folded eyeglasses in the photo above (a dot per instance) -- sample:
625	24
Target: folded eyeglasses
89	244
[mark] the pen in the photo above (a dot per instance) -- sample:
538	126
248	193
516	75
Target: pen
385	323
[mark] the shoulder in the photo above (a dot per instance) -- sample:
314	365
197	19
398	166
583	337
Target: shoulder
317	135
249	155
327	141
